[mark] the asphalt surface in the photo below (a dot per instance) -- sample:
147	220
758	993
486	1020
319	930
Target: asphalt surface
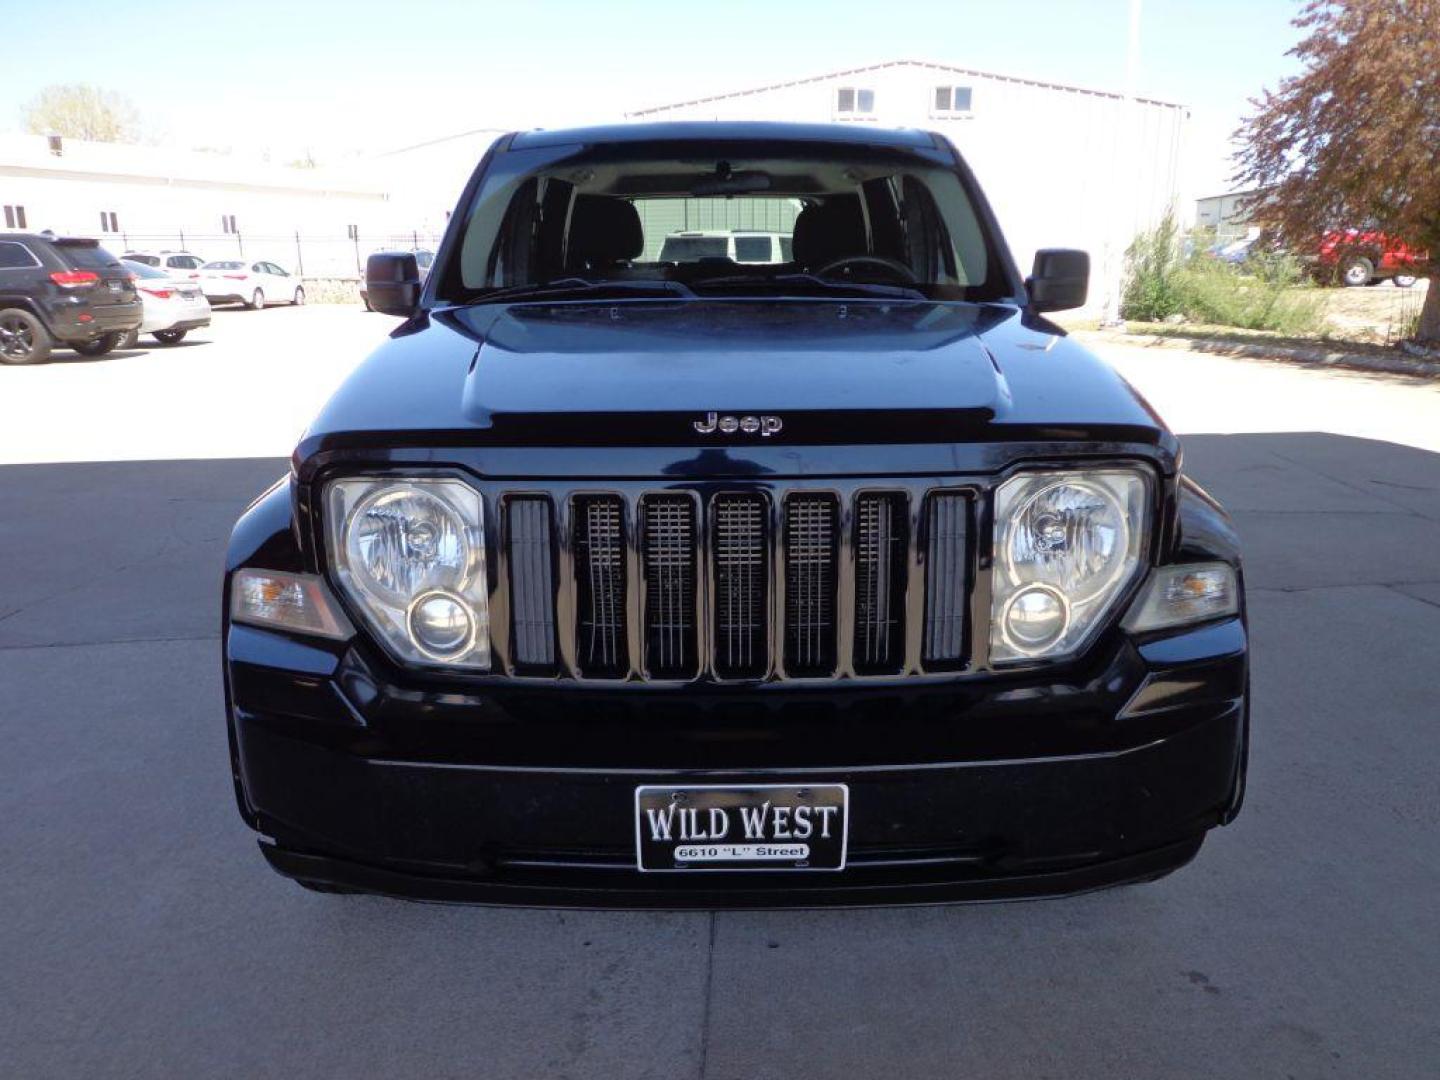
143	936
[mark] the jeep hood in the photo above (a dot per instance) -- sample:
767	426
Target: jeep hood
642	373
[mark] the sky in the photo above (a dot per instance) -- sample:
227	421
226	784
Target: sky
339	78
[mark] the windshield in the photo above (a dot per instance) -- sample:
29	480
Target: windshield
228	265
723	218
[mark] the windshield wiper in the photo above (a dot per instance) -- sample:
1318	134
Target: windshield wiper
564	288
814	281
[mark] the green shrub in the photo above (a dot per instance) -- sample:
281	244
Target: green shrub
1267	292
1153	264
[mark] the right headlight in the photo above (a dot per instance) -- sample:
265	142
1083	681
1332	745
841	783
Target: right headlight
1067	546
410	554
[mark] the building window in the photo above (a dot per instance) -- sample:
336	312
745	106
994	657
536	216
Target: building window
15	217
952	101
227	223
854	101
109	222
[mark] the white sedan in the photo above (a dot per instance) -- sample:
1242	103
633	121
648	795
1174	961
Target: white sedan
236	281
171	309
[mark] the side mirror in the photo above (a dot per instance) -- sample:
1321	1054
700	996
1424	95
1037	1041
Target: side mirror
392	281
1060	279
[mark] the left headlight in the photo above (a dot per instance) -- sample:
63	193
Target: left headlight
1067	546
410	555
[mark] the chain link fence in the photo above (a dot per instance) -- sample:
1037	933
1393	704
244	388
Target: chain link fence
311	255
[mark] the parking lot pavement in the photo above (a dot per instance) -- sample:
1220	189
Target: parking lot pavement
143	935
245	386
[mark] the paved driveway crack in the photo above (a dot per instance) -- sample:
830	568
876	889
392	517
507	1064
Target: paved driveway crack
709	990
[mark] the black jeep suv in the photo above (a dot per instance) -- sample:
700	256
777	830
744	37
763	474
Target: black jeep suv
609	580
62	290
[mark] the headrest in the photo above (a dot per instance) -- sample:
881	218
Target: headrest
604	229
825	231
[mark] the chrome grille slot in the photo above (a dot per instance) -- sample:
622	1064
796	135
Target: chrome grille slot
810	557
669	547
600	585
880	548
741	645
530	554
946	578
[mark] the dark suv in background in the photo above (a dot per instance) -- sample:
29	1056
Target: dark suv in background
62	290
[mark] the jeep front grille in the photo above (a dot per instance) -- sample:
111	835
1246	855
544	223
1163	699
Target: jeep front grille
670	585
945	577
531	556
879	581
810	538
788	581
741	585
600	591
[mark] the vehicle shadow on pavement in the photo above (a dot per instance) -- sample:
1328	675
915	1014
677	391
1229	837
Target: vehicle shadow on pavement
147	937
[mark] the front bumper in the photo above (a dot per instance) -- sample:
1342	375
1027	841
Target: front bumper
984	791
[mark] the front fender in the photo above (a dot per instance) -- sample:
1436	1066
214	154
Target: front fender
266	535
1205	531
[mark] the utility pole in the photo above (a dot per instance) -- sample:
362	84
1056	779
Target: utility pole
1121	217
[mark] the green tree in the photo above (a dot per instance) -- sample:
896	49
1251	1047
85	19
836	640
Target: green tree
1354	139
78	111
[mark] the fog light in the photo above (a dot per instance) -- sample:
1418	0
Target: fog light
1035	618
440	625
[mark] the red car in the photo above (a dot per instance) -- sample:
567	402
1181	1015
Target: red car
1356	257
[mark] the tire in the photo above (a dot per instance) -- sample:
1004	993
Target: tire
299	296
1356	271
257	301
23	338
100	346
169	337
1404	281
129	340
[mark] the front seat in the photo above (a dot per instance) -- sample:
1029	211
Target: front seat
604	233
827	231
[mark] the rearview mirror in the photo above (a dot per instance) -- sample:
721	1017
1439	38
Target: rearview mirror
1060	279
392	280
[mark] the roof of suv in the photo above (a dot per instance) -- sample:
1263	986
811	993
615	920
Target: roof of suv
710	130
50	238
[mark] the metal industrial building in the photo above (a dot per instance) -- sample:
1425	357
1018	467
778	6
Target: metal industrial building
1063	166
219	206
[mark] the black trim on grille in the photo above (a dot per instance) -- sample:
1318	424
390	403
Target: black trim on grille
741	645
530	553
600	585
881	546
947	577
670	540
811	550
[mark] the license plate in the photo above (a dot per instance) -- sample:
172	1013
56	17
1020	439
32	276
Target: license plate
114	286
741	827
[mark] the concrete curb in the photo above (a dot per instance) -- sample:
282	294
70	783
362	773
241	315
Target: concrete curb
1299	354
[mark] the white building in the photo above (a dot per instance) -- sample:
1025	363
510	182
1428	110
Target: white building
131	196
1063	166
1227	214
